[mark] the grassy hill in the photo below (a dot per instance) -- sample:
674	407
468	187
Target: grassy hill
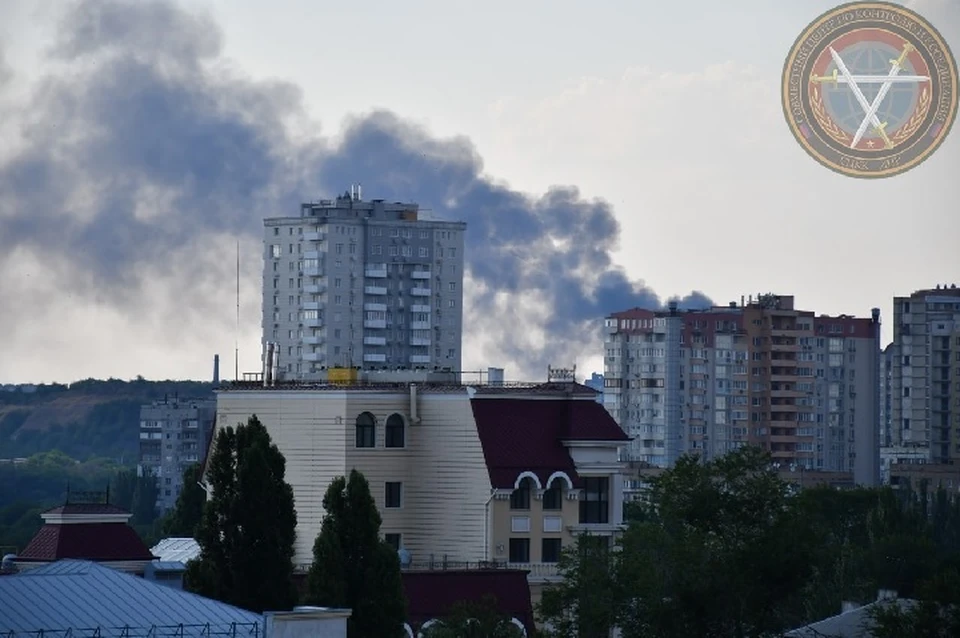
87	419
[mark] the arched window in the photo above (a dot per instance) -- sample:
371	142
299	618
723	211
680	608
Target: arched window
394	433
520	498
366	430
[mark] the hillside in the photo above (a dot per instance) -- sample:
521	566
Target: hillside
86	419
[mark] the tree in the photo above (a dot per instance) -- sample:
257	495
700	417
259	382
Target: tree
935	615
474	619
352	567
247	531
184	519
584	603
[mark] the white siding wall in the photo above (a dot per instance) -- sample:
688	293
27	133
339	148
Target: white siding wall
444	476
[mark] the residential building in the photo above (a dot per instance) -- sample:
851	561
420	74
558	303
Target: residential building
174	434
886	396
495	474
925	383
762	372
362	284
595	382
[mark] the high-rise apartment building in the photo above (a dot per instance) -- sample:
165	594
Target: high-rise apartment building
362	284
925	383
804	387
174	434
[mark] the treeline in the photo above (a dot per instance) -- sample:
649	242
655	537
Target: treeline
728	549
107	428
42	481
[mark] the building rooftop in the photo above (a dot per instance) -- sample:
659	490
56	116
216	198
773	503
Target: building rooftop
180	550
431	594
520	435
89	599
91	541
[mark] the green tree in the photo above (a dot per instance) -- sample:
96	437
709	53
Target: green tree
184	519
352	566
248	527
584	602
935	615
474	619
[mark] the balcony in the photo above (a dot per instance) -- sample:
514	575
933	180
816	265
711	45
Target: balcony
538	571
420	308
311	254
419	358
419	342
375	307
314	236
314	289
313	340
420	325
375	323
311	305
313	271
420	292
374	358
374	290
374	341
420	274
312	356
313	323
376	273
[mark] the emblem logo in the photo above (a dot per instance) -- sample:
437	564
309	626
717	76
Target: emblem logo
870	89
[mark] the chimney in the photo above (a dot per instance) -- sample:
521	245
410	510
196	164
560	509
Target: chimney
216	369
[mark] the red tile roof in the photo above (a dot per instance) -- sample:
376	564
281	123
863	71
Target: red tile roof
431	594
90	541
526	435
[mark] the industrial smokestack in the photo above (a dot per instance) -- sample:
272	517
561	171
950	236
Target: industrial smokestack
216	369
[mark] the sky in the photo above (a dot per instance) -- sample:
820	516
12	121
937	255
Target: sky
605	155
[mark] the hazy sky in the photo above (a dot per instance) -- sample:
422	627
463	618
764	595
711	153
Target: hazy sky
117	232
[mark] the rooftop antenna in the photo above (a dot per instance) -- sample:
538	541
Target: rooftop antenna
236	341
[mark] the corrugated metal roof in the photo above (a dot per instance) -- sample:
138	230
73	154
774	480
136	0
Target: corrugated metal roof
168	566
181	550
81	595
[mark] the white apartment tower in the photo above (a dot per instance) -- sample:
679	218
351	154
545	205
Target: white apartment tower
349	283
804	387
925	379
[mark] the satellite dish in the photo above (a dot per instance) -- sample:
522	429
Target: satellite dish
405	557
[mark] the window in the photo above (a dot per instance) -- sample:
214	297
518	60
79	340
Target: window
550	550
552	498
519	550
393	540
520	498
394	431
366	430
392	495
595	506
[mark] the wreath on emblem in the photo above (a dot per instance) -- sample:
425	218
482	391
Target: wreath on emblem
832	129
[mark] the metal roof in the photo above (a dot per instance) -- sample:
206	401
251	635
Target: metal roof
176	550
82	597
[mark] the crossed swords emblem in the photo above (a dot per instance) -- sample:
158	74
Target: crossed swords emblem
842	75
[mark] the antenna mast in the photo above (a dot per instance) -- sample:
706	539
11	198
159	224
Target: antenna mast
236	342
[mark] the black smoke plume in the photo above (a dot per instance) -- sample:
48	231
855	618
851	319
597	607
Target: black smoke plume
142	147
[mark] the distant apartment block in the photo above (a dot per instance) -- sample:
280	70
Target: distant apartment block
595	382
362	284
925	379
804	387
505	473
174	434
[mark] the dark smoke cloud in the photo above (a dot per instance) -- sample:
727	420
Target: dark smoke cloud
141	147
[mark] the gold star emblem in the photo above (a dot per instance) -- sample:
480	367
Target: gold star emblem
871	143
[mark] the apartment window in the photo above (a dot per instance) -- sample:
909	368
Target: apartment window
394	434
393	540
392	494
519	550
275	251
366	430
550	549
595	506
520	498
552	498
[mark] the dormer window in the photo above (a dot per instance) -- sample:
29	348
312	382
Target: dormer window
552	497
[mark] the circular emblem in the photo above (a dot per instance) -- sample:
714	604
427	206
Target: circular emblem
870	89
